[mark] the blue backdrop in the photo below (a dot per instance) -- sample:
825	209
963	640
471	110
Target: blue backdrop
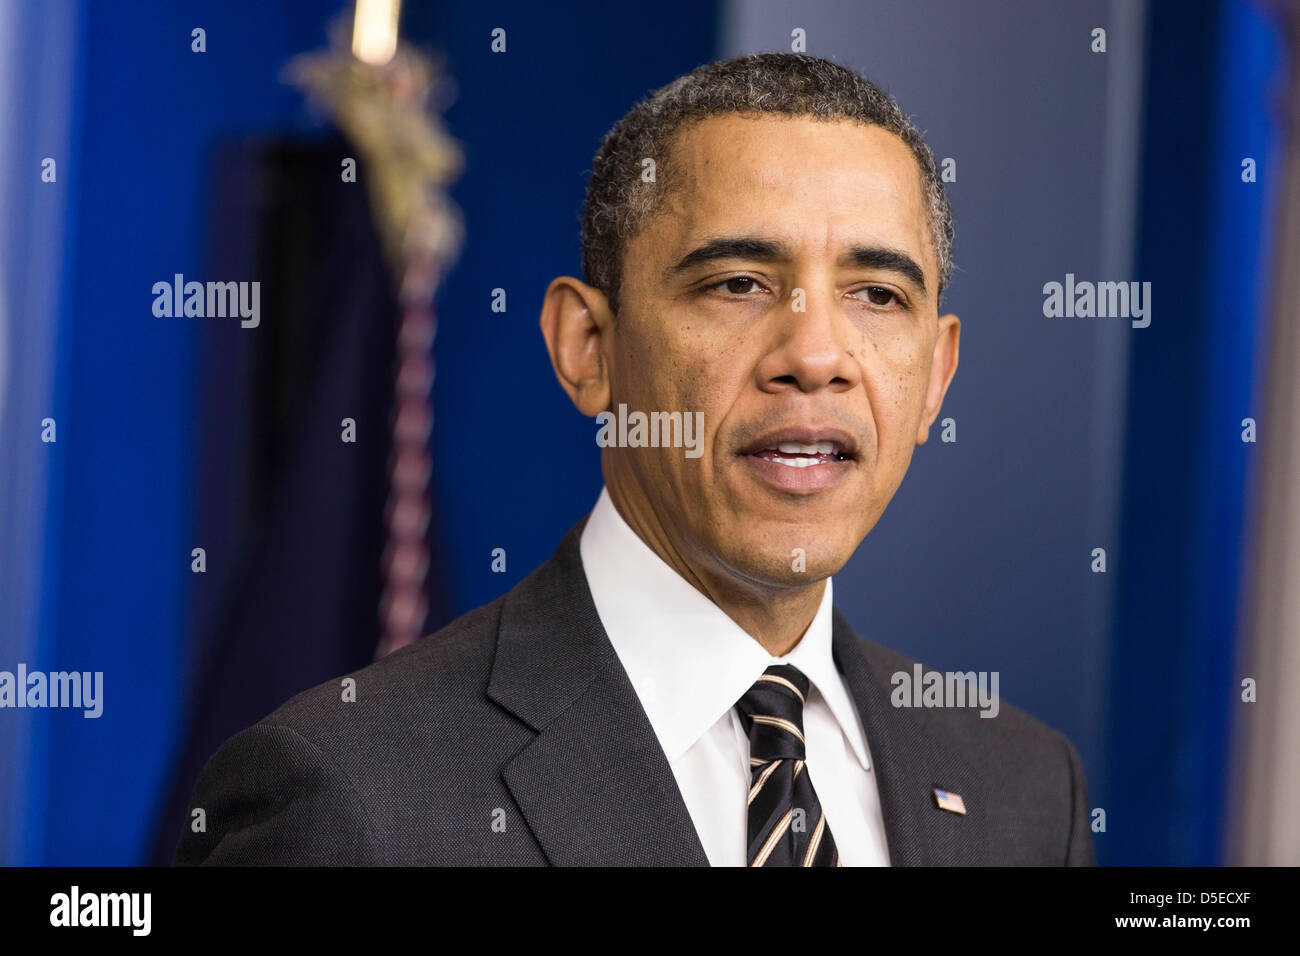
516	464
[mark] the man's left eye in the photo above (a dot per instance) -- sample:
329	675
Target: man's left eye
879	295
736	285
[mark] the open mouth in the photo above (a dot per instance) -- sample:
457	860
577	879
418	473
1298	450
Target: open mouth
799	455
801	459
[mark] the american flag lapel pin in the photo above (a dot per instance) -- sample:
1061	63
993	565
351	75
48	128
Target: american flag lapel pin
952	802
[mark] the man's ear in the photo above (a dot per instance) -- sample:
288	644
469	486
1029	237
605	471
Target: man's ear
576	323
943	366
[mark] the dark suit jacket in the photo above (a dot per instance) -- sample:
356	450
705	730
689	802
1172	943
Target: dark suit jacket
514	737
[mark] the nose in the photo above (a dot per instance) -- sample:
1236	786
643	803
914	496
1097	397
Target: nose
811	349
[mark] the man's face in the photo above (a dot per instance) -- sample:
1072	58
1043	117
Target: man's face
787	290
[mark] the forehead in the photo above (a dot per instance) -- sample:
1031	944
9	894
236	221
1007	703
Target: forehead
818	184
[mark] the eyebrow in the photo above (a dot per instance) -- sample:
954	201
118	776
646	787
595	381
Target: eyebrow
770	250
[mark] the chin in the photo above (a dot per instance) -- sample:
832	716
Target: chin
757	558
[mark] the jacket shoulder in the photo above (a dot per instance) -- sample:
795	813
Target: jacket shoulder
984	718
395	763
437	672
1034	779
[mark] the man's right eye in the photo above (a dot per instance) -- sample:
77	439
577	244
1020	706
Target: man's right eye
736	285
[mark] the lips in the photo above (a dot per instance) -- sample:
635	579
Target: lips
801	460
803	446
798	455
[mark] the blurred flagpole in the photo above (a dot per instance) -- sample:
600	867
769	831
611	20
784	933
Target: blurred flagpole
1265	829
378	91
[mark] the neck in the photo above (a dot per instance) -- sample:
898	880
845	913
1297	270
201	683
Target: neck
775	616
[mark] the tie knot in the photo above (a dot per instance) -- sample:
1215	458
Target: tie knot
772	714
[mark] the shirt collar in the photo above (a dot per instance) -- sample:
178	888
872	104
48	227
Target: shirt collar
688	660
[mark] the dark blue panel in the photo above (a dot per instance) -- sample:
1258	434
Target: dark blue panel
1174	689
118	585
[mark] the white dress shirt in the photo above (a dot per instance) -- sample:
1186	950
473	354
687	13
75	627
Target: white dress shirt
690	663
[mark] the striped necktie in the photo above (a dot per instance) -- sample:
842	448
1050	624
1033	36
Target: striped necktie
786	825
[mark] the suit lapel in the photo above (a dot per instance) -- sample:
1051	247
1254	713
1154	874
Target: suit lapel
594	785
909	763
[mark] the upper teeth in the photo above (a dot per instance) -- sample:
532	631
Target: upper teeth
816	448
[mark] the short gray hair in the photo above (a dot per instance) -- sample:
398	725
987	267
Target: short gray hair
618	202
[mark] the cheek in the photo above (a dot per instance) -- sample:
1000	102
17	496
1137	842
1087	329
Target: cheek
683	373
696	372
896	375
891	340
646	369
665	380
